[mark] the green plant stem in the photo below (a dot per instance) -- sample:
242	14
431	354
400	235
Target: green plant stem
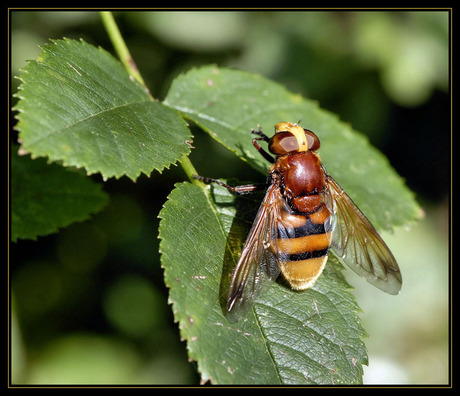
120	47
127	60
190	170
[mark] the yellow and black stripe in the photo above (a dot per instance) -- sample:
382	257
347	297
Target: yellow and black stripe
303	242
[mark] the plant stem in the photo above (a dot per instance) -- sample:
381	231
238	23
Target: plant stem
120	47
190	170
127	60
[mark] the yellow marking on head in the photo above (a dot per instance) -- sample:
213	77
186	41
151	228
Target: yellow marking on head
296	130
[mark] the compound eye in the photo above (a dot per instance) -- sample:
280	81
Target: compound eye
312	140
283	143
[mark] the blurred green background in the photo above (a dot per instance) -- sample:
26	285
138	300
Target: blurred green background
89	305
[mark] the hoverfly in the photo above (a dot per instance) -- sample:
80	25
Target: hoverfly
304	213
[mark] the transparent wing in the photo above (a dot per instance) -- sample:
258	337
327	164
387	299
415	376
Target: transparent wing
257	263
357	243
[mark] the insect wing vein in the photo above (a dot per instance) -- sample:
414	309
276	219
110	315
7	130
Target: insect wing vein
357	243
256	264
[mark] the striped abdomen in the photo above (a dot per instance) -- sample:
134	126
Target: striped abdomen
303	242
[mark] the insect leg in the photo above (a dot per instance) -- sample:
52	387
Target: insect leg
264	138
237	190
262	135
264	154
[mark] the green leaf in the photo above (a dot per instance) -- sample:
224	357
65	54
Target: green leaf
46	197
229	103
79	106
288	337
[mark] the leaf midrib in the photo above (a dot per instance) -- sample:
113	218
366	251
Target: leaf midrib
252	310
71	125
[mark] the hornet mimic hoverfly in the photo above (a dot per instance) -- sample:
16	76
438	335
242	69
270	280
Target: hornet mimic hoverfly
304	213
